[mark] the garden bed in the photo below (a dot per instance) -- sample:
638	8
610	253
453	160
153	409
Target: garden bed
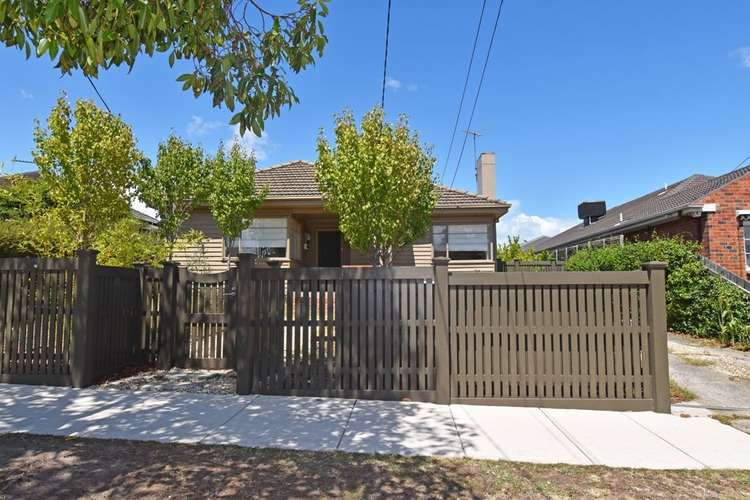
174	380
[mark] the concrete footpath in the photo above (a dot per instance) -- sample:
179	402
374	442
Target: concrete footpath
617	439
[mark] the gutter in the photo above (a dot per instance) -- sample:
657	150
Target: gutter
620	229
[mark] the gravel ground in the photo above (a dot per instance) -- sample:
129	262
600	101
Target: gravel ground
719	377
176	380
728	361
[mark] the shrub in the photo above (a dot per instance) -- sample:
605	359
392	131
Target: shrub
129	242
511	250
698	302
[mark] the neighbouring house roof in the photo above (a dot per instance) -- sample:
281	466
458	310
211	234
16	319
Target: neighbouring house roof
296	180
660	203
534	244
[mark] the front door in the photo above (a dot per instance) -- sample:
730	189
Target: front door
329	249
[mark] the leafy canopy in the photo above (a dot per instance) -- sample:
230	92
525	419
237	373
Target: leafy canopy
378	179
233	197
513	250
238	50
174	186
89	159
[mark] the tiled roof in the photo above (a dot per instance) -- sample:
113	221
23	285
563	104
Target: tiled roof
296	180
662	202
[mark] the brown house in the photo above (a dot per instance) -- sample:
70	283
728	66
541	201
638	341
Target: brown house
714	211
291	228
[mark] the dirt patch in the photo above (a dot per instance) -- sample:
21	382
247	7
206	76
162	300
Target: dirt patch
45	466
174	380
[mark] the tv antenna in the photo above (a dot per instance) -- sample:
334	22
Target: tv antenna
474	134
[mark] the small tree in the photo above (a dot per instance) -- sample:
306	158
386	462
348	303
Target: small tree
174	187
89	160
513	250
379	182
233	197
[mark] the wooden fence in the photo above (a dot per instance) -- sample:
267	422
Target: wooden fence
584	340
587	340
529	265
193	318
67	321
365	333
37	309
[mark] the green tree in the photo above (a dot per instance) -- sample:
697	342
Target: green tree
233	197
128	242
22	197
379	182
89	160
512	250
237	50
173	187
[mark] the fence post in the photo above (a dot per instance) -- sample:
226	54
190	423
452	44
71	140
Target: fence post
167	315
657	319
442	335
181	337
244	348
82	369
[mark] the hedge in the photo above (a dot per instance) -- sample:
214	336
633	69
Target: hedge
698	302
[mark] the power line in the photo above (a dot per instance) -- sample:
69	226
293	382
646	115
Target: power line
385	59
741	164
463	93
97	93
479	88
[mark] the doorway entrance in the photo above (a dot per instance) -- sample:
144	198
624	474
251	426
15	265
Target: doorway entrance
329	249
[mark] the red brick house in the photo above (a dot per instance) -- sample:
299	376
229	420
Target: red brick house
715	211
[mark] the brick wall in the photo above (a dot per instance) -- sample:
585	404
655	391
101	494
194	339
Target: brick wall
719	234
723	238
687	227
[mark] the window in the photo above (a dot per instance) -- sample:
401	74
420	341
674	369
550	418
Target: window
265	238
462	241
746	232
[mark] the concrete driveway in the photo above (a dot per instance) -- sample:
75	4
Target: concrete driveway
617	439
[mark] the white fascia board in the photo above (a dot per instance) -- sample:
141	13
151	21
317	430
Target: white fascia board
709	207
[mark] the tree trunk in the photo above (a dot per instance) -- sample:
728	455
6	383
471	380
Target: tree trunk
382	256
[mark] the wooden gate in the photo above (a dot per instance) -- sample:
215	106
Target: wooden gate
364	333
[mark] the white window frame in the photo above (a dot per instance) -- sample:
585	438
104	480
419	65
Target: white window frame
745	242
239	246
447	225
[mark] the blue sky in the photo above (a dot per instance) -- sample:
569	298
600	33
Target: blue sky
582	100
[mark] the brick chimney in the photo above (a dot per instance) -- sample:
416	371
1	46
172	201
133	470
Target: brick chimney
485	172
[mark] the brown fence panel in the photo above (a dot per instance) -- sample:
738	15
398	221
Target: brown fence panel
366	333
529	265
204	302
557	340
116	337
151	283
36	320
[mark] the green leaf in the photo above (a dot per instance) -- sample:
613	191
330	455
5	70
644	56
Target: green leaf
41	48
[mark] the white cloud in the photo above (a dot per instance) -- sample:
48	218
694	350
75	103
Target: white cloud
743	54
392	83
200	127
251	143
26	96
397	85
527	226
